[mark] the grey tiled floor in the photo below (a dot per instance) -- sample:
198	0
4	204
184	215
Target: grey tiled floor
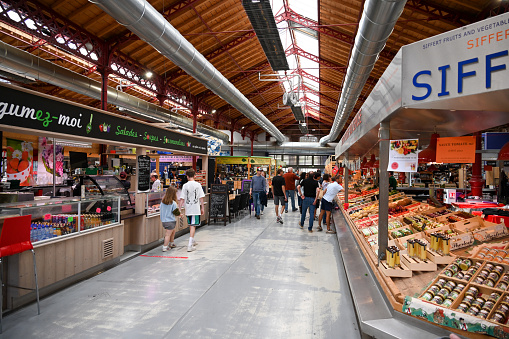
250	279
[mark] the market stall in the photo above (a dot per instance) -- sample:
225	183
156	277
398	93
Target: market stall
89	219
412	247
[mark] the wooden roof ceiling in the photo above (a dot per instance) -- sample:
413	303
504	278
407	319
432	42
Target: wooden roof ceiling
221	31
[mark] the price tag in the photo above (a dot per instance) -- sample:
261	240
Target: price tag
97	210
108	208
70	219
47	216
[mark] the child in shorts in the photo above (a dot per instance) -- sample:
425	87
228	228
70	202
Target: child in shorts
168	205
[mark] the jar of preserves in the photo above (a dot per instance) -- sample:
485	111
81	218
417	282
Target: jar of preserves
437	300
489	257
488	305
489	282
472	291
505	261
505	278
489	267
499	317
450	284
481	255
444	293
454	268
494	276
494	297
483	314
465	264
448	273
447	302
459	287
473	310
463	307
498	258
468	300
427	296
434	289
479	280
479	302
484	274
454	295
467	276
459	275
441	282
499	269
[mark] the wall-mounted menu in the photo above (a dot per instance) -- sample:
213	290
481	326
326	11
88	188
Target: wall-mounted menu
143	173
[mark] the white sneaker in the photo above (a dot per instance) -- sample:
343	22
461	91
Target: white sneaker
262	213
195	243
191	248
165	248
172	245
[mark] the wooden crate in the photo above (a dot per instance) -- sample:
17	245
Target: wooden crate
416	264
440	259
399	272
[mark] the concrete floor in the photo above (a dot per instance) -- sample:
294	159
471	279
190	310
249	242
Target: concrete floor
250	279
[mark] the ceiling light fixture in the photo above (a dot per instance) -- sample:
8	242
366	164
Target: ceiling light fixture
149	74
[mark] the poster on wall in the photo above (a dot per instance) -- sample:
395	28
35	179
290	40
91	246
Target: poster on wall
20	161
45	163
403	155
458	150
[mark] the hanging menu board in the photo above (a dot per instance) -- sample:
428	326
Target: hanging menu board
143	173
231	186
218	203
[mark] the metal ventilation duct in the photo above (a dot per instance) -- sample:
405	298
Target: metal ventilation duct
298	148
303	128
297	112
375	27
262	19
23	63
148	24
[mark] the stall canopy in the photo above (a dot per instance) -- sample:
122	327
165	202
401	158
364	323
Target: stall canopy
455	83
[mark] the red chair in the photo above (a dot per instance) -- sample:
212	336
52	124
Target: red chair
14	239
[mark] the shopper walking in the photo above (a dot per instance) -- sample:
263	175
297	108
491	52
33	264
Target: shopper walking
258	187
326	181
278	189
318	177
290	179
169	209
331	192
263	202
303	176
309	199
192	197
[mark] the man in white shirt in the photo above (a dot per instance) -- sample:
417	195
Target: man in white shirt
329	194
192	197
156	183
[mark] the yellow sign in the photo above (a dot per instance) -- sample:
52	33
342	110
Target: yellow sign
260	160
232	160
459	150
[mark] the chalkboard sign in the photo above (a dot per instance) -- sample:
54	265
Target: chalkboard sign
218	188
246	186
143	173
231	186
218	203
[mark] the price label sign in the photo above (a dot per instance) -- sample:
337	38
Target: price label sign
97	210
70	219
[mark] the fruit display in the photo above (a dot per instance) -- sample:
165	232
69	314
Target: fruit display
401	232
439	213
422	223
404	146
397	210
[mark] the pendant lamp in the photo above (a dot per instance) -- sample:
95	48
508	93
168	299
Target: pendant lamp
363	163
430	153
504	152
371	161
376	164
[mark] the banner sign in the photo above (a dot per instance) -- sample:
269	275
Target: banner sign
403	155
232	160
458	150
20	161
45	163
175	158
27	110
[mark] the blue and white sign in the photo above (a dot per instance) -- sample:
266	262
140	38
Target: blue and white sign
470	60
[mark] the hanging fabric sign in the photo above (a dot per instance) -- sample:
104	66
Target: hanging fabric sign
458	150
20	161
403	155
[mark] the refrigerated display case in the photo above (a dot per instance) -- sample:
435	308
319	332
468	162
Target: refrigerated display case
102	185
56	218
153	202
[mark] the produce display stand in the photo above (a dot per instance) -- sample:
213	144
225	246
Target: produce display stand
396	109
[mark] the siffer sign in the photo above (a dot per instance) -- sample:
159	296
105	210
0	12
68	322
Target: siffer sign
352	127
469	60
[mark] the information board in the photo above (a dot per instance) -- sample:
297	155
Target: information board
143	173
231	186
218	203
246	186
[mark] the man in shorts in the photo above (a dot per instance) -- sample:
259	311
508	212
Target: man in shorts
278	187
192	196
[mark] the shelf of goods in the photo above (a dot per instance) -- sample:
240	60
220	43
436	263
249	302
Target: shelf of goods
431	244
201	177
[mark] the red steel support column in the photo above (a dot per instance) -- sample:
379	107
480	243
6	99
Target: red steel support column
477	183
252	144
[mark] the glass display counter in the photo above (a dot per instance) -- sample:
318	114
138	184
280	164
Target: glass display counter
61	217
102	185
153	202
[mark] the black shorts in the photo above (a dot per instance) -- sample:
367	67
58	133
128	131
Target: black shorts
326	206
317	206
